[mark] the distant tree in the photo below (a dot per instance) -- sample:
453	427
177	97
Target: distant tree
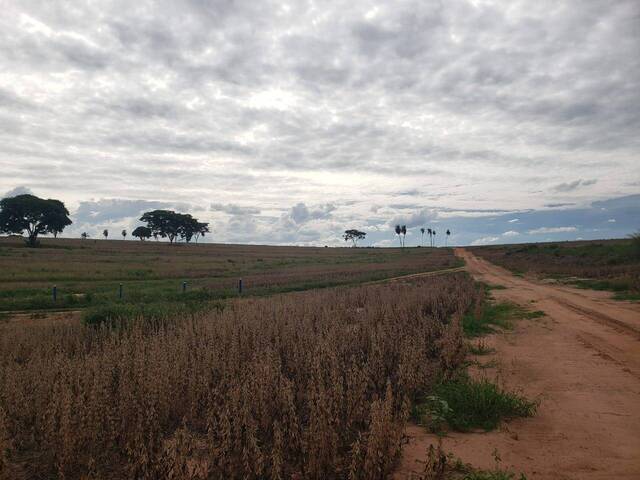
434	238
404	234
34	215
422	230
155	236
142	233
354	236
445	238
105	233
163	223
172	225
399	232
84	235
430	232
124	234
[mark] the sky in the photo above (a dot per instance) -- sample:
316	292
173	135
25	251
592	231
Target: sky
290	122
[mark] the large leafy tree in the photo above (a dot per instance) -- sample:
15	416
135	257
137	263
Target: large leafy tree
172	225
354	236
33	215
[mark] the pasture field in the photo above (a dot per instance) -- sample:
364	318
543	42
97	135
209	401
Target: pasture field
87	273
612	265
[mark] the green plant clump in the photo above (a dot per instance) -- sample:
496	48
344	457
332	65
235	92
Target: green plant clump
473	404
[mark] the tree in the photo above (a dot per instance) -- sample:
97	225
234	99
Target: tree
445	238
124	234
434	238
422	239
34	215
105	233
430	232
201	229
163	223
354	236
84	235
399	232
404	234
142	233
172	225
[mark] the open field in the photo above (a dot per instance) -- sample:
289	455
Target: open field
88	273
612	265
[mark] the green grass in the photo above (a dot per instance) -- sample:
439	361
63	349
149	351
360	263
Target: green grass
467	404
494	315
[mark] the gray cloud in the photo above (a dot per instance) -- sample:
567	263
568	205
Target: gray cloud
21	190
568	187
407	112
115	209
300	213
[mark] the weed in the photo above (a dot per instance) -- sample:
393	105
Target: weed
480	403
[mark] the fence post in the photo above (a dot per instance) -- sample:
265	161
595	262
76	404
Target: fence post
240	286
120	292
184	287
55	293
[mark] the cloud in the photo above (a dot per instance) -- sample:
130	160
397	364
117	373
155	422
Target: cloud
300	213
21	190
233	209
568	187
453	109
513	220
108	210
544	230
485	240
510	233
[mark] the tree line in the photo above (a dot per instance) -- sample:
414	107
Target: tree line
38	216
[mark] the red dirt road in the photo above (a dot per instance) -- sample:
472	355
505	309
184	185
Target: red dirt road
582	361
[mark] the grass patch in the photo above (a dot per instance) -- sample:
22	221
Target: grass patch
492	315
466	404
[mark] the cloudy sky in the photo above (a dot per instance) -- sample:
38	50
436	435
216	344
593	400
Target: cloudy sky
288	122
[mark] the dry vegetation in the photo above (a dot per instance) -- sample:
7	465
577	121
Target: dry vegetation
600	264
303	385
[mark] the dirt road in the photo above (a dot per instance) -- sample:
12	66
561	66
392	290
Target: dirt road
582	361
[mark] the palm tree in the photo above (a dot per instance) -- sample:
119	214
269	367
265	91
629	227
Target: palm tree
430	232
404	234
422	239
398	232
124	234
434	238
445	238
105	233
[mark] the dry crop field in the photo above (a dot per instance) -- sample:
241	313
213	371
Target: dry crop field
313	384
598	264
88	273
